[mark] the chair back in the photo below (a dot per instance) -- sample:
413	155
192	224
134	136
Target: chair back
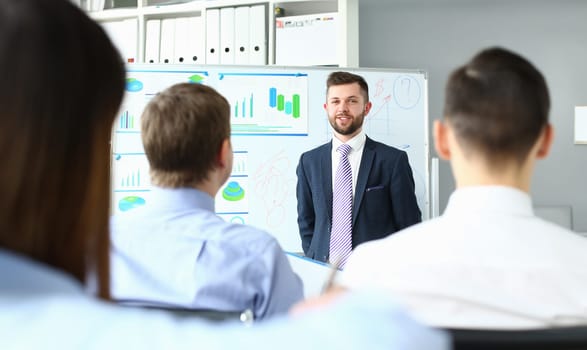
563	338
246	316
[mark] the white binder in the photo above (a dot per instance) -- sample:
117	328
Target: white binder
212	36
227	35
166	53
241	35
180	53
152	40
124	35
257	35
130	34
196	40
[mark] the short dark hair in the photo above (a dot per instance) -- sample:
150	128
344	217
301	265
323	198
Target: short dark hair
498	105
183	129
62	84
343	78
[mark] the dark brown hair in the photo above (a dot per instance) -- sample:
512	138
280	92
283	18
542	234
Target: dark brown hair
62	84
183	129
343	78
498	105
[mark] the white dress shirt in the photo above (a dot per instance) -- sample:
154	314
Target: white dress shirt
357	144
42	308
488	262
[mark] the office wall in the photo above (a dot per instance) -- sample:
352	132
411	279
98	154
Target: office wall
438	35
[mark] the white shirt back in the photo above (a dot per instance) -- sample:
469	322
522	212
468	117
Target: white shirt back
488	262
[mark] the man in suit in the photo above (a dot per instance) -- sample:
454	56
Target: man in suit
383	198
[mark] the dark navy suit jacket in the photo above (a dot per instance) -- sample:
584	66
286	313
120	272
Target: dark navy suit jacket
384	202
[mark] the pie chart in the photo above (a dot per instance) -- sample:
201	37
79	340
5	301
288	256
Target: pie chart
130	202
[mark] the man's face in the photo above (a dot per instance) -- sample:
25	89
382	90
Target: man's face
346	108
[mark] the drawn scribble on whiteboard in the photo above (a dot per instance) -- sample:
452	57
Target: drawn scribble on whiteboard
273	187
381	98
406	91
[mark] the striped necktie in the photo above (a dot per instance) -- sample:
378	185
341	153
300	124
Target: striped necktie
342	214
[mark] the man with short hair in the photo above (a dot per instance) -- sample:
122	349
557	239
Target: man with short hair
380	192
175	250
488	261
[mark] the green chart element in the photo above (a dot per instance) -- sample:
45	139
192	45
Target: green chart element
296	106
196	79
233	192
280	102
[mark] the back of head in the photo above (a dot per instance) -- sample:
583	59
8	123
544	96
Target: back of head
498	105
183	129
62	84
343	78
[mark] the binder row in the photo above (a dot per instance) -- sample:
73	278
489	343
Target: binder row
229	35
236	35
174	40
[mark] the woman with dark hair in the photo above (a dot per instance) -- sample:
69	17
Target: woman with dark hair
61	84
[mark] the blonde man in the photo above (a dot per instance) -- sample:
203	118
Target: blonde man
175	250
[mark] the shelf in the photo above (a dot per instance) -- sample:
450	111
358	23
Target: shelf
114	14
346	38
298	8
179	9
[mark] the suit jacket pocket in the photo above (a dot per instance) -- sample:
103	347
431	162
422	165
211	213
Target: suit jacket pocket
375	188
376	210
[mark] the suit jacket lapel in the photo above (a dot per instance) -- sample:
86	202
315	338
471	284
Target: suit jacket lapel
326	169
364	169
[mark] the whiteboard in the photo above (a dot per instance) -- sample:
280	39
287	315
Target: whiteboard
276	114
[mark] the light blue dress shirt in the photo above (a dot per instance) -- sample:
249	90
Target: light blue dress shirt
41	308
176	251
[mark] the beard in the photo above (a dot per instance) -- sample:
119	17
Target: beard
356	124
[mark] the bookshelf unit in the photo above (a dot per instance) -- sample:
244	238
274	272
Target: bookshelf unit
347	48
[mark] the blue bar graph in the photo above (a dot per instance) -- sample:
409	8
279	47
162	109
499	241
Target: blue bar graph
272	97
240	107
126	121
251	106
132	179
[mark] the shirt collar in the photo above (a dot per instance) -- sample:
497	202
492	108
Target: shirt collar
490	199
180	198
356	143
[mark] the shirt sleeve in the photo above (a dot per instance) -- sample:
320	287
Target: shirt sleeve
281	287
